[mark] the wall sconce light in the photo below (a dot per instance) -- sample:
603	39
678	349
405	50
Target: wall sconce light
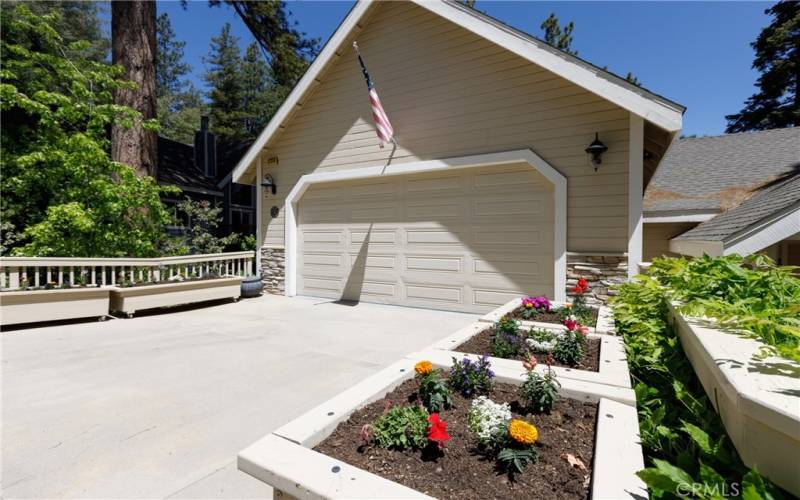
269	182
596	149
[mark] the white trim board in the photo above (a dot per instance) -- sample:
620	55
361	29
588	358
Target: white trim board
635	182
655	109
473	161
689	217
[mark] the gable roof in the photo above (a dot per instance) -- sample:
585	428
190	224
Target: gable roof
655	109
717	173
768	202
176	167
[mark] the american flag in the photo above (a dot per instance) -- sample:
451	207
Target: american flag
382	125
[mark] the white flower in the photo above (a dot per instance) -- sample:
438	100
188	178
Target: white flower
488	420
541	346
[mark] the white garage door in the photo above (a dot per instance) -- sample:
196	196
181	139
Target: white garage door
462	240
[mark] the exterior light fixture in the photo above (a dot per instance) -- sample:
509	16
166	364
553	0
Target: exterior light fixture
596	149
269	182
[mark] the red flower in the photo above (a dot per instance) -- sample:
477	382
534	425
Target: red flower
438	430
581	287
583	284
570	324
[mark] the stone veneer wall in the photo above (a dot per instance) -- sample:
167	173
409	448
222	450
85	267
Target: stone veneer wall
601	271
272	269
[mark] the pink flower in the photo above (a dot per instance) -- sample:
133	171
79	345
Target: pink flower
583	330
530	363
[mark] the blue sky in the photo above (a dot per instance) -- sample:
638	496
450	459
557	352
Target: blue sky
695	53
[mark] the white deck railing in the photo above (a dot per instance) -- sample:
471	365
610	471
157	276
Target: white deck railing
19	272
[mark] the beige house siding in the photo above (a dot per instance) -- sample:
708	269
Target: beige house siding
655	241
450	93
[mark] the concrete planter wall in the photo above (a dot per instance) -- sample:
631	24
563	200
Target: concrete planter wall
613	369
284	459
605	319
758	400
131	299
51	305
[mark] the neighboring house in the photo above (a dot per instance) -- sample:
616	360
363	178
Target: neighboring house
203	172
488	194
737	193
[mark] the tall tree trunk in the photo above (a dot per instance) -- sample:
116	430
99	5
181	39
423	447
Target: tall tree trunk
133	45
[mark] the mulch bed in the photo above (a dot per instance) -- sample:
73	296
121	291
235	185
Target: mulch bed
548	317
482	344
462	471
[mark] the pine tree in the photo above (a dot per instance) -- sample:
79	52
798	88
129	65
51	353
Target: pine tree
227	90
261	96
180	104
288	50
77	21
777	103
558	37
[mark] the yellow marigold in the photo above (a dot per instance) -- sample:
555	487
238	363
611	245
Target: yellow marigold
423	367
523	432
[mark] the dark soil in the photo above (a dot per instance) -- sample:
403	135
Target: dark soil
482	344
547	317
461	471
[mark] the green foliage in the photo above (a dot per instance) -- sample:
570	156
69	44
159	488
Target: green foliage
750	293
402	427
62	194
249	242
514	460
434	393
539	393
569	348
505	345
683	438
180	104
777	48
558	36
288	50
471	378
507	325
198	236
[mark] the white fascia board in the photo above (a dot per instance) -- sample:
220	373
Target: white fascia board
303	86
558	180
635	181
696	248
758	237
658	111
689	217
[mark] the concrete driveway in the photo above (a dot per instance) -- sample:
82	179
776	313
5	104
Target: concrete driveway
158	406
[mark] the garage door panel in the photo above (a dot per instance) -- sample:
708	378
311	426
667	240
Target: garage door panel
467	240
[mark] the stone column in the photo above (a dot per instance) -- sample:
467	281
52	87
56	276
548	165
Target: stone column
272	269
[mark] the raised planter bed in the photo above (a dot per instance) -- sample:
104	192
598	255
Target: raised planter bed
28	306
285	459
128	300
604	325
758	400
612	363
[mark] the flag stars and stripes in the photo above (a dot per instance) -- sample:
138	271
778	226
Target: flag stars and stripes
383	126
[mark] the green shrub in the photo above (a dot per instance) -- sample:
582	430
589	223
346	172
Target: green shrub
682	436
749	293
402	427
434	393
569	348
539	393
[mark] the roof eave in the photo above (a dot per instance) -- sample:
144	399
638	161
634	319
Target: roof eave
651	107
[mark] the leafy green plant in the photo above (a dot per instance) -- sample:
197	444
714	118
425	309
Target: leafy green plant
747	293
62	193
505	345
682	436
434	392
569	348
471	378
514	460
539	393
402	427
507	325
